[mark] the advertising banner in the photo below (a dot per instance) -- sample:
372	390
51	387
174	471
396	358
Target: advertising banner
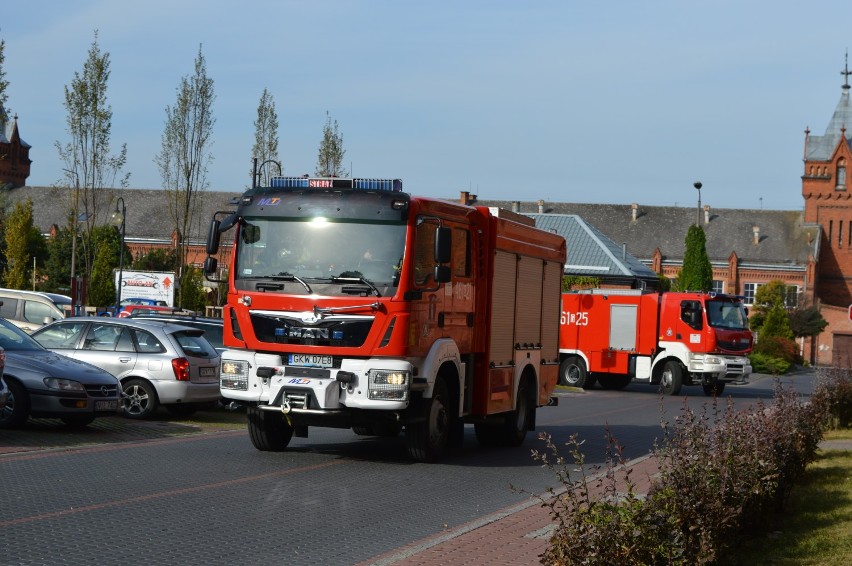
147	285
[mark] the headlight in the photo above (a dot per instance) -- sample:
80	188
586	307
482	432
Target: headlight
63	384
712	360
234	375
388	385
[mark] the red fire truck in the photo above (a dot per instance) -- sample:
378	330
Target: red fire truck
672	339
352	304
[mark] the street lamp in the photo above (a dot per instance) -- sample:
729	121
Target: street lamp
697	185
119	219
258	170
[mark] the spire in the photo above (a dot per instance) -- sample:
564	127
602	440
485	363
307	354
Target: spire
846	72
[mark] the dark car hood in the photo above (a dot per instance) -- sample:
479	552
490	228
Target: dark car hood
56	365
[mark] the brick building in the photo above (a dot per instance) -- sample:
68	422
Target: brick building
14	154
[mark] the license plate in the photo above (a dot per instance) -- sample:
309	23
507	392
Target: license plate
106	405
207	372
310	360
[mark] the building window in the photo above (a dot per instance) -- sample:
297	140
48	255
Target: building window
749	291
791	296
841	176
718	286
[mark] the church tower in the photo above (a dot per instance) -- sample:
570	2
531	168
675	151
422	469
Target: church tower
827	190
14	154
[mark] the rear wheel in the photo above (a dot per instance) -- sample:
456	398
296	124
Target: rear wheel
518	421
614	381
17	408
714	389
269	430
138	399
672	378
573	373
428	438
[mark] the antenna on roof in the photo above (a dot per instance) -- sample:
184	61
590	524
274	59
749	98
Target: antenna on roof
846	72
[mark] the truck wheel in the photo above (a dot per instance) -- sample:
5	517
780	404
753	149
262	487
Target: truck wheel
17	409
518	421
138	399
714	389
572	372
428	438
672	378
614	381
269	431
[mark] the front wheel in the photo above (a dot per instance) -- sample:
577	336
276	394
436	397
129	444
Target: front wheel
672	378
573	373
138	399
270	431
428	438
17	409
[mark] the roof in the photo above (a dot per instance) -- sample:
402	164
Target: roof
821	148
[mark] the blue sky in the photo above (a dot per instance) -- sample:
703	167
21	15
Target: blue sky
570	101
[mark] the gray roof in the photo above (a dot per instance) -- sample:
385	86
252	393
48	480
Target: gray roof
7	129
821	148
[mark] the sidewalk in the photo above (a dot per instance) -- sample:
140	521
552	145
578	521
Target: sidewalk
514	536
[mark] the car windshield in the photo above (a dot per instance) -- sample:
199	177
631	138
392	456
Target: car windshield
727	314
14	339
319	249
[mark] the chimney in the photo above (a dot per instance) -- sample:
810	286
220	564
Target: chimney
541	207
707	214
516	206
756	231
464	197
634	211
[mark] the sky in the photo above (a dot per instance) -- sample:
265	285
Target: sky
564	100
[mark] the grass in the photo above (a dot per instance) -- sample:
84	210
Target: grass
816	526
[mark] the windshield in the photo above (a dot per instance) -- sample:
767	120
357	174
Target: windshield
319	249
13	338
727	314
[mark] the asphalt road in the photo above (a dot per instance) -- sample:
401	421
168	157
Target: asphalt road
197	492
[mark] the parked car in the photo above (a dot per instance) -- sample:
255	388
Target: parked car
129	310
4	389
46	384
212	327
141	301
30	310
157	363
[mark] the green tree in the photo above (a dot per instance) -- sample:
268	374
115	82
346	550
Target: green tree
57	267
193	296
102	290
766	297
808	322
156	260
331	152
696	273
185	155
90	165
265	136
777	323
4	84
23	243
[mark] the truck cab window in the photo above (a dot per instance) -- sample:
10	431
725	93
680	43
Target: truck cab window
690	313
424	252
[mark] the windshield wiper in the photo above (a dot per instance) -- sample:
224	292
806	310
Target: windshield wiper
357	279
284	276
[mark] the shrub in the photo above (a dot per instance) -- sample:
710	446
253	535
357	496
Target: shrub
834	391
761	363
778	347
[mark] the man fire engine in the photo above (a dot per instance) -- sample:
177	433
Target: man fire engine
352	304
672	339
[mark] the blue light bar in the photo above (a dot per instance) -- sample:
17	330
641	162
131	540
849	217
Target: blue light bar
393	185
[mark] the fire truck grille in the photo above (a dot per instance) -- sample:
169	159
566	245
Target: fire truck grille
733	345
340	333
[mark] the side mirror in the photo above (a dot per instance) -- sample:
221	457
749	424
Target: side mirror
442	273
443	245
210	265
213	237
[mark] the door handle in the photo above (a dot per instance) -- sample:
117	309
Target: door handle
124	360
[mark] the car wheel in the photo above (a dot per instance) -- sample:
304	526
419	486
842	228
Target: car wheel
138	399
17	408
77	421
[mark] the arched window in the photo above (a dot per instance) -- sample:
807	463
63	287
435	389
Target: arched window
841	175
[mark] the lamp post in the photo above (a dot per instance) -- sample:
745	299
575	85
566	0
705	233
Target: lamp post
258	170
119	219
697	185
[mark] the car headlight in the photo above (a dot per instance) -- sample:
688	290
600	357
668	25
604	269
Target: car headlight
234	375
388	385
63	384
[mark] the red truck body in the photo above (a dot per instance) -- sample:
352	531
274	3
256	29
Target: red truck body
615	336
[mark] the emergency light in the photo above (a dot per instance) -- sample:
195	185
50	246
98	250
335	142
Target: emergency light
394	185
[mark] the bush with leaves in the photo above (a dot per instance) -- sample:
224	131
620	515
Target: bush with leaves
778	347
834	389
762	363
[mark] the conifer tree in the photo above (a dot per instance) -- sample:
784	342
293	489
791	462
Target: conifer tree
696	274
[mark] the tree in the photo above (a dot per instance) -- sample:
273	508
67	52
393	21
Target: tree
193	295
156	260
766	297
23	243
331	152
57	266
807	322
4	84
102	290
265	135
185	154
89	165
777	323
696	273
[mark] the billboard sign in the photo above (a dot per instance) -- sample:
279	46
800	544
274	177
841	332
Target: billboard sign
154	285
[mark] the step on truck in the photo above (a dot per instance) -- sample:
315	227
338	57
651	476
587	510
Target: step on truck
352	304
615	336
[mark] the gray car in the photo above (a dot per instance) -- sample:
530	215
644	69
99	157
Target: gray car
157	363
45	384
4	389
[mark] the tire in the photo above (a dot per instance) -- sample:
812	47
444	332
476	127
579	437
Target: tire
138	399
518	421
714	389
269	431
429	437
363	430
672	378
17	409
613	382
181	409
78	421
573	373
